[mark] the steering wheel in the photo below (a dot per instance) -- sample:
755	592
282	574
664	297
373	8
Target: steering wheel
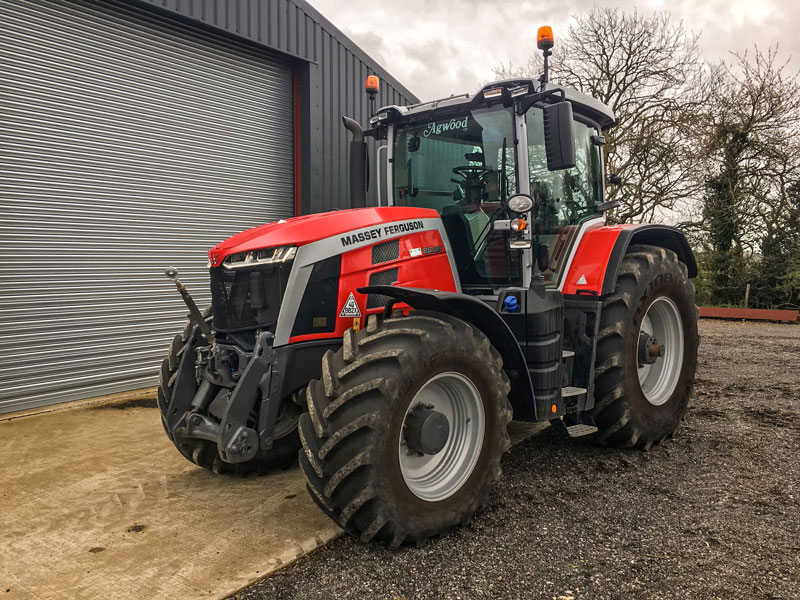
473	183
470	171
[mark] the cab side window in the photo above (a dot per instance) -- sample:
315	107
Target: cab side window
565	198
571	194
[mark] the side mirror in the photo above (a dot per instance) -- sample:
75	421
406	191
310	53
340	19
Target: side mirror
559	136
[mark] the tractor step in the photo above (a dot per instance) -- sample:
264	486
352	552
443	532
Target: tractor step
576	425
568	391
580	429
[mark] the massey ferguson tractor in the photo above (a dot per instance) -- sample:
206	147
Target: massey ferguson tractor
390	346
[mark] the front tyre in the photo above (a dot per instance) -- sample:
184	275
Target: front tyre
406	428
646	350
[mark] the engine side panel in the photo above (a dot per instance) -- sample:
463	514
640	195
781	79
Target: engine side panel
422	254
417	259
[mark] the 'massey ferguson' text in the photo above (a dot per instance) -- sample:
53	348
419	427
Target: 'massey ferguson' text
384	231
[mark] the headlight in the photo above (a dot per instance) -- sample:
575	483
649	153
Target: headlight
265	256
520	203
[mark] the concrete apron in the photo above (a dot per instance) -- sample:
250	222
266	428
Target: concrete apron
97	503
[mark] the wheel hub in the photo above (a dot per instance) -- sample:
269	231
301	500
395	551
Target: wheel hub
426	430
649	349
660	350
442	436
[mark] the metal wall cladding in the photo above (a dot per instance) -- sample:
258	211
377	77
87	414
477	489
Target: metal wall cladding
340	76
126	144
290	26
334	86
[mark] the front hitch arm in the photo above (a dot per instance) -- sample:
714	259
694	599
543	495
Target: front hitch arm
236	441
195	313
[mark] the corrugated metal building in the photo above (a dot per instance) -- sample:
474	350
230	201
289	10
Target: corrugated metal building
137	134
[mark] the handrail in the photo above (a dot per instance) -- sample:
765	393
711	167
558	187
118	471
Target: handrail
378	170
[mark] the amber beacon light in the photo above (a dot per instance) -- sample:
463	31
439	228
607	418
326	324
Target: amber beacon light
373	84
544	38
544	41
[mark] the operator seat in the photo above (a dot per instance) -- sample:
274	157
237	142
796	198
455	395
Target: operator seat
459	234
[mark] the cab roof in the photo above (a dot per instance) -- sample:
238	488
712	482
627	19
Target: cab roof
582	104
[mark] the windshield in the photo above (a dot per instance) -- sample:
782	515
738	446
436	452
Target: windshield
464	167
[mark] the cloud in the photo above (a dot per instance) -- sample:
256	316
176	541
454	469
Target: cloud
450	46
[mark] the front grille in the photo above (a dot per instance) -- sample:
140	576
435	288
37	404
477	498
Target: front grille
248	298
387	277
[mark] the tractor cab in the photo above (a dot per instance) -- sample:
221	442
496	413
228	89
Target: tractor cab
471	158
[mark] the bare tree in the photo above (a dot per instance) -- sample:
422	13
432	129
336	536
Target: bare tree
751	173
648	70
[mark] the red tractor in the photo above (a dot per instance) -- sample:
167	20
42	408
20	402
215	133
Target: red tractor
392	345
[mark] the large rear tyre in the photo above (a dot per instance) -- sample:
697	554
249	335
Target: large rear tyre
203	453
646	350
404	433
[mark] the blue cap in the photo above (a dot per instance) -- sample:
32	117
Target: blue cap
511	304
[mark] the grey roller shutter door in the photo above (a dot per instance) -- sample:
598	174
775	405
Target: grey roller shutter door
127	143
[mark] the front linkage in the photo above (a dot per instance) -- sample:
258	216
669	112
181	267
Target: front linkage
231	383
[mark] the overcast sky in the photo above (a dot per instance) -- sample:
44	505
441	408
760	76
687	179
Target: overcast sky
441	47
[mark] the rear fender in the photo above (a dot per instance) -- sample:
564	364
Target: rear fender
488	321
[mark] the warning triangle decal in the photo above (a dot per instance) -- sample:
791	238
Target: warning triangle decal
350	308
581	281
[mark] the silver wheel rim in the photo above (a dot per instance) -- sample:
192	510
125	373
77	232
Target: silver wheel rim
658	380
434	477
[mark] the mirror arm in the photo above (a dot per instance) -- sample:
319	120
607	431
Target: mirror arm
604	206
527	101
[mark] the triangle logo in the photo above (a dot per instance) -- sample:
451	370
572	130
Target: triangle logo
581	281
350	308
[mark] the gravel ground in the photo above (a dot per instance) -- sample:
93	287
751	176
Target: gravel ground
714	513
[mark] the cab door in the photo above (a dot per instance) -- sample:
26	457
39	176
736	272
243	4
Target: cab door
565	201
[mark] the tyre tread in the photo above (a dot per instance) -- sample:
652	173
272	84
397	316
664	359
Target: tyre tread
612	411
348	402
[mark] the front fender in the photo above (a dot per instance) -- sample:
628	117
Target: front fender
488	321
598	256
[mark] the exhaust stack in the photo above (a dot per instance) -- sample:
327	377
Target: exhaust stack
358	164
